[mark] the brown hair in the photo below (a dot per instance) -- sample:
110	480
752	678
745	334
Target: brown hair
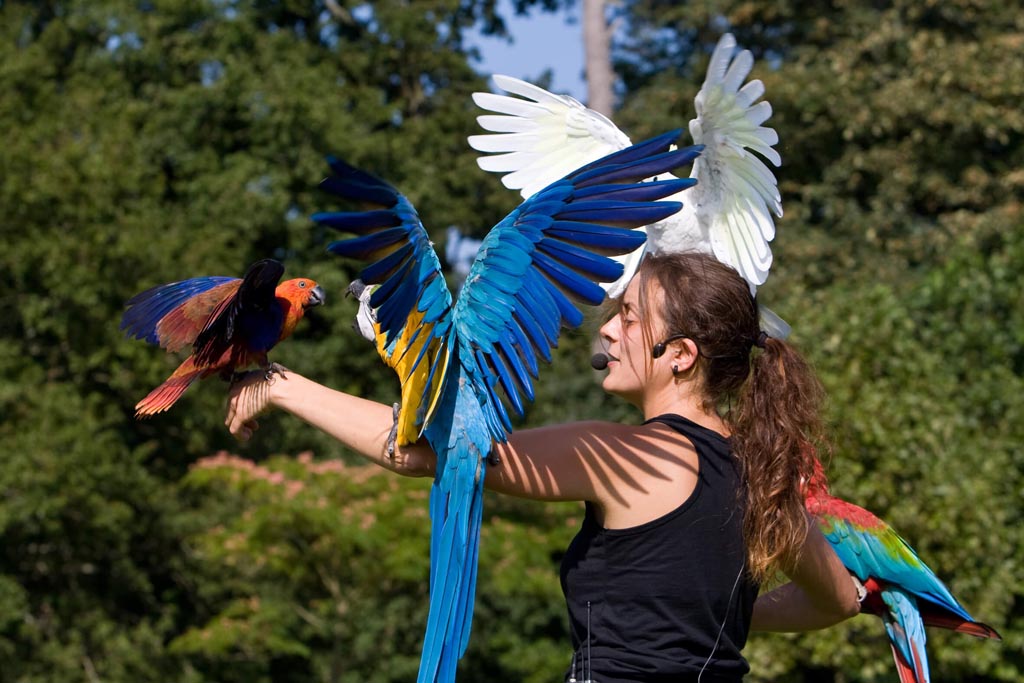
769	398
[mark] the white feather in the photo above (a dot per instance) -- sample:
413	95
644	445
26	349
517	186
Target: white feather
537	137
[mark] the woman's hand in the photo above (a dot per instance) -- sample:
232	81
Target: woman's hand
250	395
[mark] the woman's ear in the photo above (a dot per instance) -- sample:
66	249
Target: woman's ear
684	354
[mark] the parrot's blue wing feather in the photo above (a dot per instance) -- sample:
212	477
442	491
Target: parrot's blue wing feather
545	258
393	239
882	554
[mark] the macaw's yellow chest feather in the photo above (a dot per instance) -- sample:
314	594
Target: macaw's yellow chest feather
410	356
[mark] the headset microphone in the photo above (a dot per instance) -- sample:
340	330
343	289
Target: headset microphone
599	361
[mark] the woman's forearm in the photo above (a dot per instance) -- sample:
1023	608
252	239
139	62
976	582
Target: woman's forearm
361	424
822	592
789	609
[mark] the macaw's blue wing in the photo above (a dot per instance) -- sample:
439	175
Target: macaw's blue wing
872	549
545	258
411	303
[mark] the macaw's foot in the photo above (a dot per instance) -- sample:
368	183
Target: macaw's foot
274	369
393	434
493	459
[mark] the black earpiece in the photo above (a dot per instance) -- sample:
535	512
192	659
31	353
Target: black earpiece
658	350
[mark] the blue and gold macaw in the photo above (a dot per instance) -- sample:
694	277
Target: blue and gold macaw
461	361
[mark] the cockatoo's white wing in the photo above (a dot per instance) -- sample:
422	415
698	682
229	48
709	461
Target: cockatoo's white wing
539	137
736	192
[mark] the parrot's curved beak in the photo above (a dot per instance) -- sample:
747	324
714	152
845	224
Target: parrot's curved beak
316	297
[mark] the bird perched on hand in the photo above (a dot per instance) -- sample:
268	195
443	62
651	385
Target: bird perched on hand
465	365
539	136
230	323
900	589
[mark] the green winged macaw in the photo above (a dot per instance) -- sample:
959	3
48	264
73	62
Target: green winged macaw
461	361
900	588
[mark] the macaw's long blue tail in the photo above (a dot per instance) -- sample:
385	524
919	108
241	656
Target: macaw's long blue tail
456	512
906	634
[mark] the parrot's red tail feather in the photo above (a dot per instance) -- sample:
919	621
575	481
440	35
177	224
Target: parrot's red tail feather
903	668
167	394
971	628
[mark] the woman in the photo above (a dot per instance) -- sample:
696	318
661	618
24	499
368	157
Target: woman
687	513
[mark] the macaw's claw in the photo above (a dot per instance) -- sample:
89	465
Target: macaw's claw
493	459
393	434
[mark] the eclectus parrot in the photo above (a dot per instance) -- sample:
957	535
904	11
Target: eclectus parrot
230	323
901	589
539	136
464	364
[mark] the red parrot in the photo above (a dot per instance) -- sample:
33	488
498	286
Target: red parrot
230	323
901	589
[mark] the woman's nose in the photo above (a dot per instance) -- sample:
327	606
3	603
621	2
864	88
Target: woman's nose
607	330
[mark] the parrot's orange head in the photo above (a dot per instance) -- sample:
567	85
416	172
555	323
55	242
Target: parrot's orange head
301	292
296	296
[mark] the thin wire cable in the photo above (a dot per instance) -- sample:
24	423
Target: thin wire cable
589	670
725	618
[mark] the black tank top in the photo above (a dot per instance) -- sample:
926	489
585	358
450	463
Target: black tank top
661	601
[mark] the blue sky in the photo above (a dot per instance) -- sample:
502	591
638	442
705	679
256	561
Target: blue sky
540	41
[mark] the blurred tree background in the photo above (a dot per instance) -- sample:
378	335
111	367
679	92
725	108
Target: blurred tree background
146	142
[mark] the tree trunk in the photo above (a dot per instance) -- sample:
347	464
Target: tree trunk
597	39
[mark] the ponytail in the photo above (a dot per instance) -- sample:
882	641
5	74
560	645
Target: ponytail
774	420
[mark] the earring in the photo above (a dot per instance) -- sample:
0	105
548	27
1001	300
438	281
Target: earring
675	369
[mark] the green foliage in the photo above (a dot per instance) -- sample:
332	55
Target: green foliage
149	142
295	546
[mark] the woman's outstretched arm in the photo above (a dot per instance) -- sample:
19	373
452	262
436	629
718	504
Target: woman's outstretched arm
616	466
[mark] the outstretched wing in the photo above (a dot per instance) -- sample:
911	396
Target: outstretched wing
252	316
738	192
537	134
411	302
546	257
172	315
541	137
869	547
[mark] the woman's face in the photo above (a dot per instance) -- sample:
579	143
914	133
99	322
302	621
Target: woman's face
627	346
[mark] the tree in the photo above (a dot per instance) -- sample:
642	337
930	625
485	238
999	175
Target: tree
597	38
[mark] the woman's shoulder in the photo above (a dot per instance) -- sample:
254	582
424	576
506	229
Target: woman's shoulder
616	436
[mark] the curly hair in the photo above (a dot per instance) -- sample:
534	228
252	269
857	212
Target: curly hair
769	397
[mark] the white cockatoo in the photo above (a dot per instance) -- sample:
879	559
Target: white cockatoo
539	137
